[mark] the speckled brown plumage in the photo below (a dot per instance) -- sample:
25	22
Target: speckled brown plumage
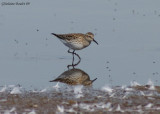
76	41
74	77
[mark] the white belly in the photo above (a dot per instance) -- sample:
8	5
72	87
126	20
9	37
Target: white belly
73	45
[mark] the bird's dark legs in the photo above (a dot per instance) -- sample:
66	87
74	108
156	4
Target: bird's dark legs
69	51
78	56
73	53
73	58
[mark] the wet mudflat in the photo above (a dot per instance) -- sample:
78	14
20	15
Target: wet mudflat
81	99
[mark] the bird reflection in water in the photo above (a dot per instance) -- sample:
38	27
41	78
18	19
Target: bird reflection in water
74	77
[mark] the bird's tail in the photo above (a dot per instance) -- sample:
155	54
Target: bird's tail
54	34
57	35
53	80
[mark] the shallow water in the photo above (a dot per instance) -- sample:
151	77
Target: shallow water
127	33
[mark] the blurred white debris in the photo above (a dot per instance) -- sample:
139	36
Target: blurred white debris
56	86
107	89
13	109
108	105
71	110
150	82
149	94
86	107
99	96
110	109
3	89
3	100
100	105
75	105
158	108
7	112
43	90
60	109
134	83
78	91
151	85
10	111
118	109
140	111
139	107
123	87
32	112
26	110
16	90
112	95
92	107
142	93
151	98
148	106
128	89
125	95
78	96
35	91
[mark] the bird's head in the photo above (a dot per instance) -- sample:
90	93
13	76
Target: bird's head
89	82
90	37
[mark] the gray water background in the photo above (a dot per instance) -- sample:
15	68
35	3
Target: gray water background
128	33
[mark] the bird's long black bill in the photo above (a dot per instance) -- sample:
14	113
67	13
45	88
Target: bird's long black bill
94	80
95	41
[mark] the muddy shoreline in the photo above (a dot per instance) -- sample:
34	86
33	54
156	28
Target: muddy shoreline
81	99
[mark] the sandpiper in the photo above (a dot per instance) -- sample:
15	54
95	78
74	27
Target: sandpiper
74	77
76	41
